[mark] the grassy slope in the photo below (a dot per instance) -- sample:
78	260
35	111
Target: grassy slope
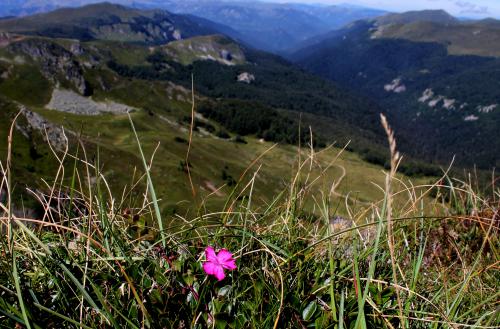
96	270
278	84
198	48
288	271
210	155
110	138
476	38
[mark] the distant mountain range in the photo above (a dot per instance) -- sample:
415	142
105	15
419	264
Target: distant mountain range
438	78
274	27
268	26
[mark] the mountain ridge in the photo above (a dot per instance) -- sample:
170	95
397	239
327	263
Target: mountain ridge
109	21
268	26
435	16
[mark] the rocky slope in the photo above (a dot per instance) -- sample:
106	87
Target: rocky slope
105	21
54	61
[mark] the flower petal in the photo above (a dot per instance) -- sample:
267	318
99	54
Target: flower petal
210	268
224	256
230	264
210	255
219	273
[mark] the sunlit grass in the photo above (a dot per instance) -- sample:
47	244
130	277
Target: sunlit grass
96	258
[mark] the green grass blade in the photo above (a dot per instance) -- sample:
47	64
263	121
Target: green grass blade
152	192
12	316
341	310
19	293
59	315
75	281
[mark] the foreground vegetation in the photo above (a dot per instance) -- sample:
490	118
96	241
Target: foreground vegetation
422	257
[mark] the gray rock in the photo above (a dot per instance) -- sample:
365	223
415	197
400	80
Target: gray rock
246	77
71	102
76	49
55	60
50	132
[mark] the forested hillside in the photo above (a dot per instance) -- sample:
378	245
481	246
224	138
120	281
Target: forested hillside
441	95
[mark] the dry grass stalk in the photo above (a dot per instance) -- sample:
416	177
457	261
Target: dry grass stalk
193	190
395	160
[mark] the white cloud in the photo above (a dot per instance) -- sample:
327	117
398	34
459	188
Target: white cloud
470	8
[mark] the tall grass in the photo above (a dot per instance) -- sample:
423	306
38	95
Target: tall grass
422	257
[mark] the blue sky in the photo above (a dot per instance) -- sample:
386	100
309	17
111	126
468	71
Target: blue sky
465	8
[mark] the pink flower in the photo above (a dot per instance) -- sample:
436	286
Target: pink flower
216	263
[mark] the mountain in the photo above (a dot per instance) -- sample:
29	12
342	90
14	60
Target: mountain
16	7
433	16
268	26
245	101
271	26
106	21
30	7
436	76
264	25
340	15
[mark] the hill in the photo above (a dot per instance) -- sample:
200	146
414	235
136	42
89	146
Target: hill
431	16
106	21
434	78
479	38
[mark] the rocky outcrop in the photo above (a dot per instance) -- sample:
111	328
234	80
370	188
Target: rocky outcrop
246	77
432	100
76	49
471	117
487	109
395	86
449	104
177	35
50	132
215	48
158	29
7	38
55	61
